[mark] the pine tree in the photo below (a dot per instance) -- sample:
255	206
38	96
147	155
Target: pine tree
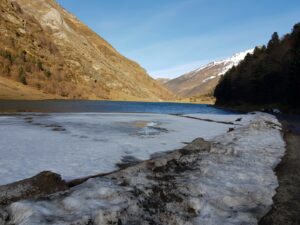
271	76
258	51
274	42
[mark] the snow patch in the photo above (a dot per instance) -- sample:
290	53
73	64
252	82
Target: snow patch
209	78
233	61
227	64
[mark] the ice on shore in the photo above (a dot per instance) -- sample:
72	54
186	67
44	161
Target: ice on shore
76	145
229	183
236	119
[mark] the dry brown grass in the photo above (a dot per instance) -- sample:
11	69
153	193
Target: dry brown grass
83	66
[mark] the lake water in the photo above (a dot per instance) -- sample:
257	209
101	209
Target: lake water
108	106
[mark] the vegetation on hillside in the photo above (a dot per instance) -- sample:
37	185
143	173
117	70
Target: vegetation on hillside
29	55
47	49
268	77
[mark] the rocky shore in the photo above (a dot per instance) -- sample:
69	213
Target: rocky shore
228	180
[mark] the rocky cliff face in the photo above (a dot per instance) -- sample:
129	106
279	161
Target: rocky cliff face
203	80
45	47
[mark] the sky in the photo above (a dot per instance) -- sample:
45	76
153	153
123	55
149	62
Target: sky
171	37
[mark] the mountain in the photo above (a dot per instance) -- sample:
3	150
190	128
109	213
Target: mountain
268	78
162	80
203	80
50	51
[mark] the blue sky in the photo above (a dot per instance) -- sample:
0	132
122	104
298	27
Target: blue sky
171	37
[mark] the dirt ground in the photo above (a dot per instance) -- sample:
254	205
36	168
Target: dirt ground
286	208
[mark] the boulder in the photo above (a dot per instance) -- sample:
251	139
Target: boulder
42	184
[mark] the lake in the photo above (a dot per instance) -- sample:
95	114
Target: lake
108	106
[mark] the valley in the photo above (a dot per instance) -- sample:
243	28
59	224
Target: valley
140	113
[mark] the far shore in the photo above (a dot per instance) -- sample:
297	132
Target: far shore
206	102
15	91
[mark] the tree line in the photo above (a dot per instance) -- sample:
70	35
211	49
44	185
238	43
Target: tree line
270	76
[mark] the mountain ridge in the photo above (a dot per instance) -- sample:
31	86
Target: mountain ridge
203	80
47	48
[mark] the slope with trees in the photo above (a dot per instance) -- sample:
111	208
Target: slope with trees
48	50
270	77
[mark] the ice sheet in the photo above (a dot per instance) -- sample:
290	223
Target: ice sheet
82	144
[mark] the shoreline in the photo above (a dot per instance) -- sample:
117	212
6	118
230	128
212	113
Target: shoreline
272	108
286	207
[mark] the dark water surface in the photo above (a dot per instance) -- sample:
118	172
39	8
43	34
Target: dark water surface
108	106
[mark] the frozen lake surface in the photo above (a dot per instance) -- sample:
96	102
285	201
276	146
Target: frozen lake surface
226	181
81	144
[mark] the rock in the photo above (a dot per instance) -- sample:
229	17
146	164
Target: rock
43	184
127	161
198	144
276	111
230	129
3	217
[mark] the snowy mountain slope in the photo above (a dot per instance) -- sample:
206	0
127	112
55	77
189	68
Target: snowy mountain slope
204	79
233	61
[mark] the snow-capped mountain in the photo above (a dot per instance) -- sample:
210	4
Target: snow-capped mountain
233	61
204	79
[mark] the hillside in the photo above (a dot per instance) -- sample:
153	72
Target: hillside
203	80
162	80
14	90
270	77
50	51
